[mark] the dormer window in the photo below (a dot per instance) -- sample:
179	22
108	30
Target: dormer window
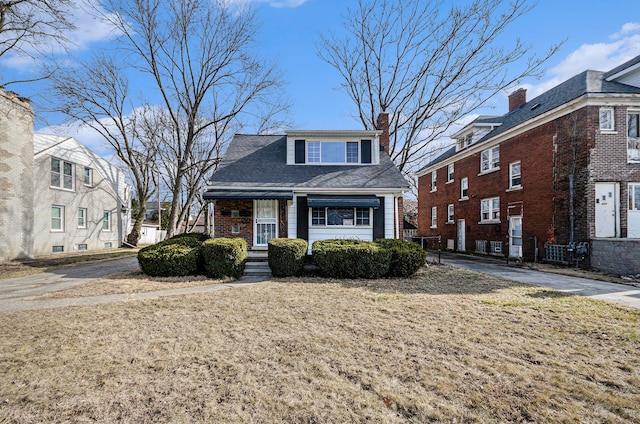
333	152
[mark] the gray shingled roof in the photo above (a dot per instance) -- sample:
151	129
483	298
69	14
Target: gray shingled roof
579	85
259	161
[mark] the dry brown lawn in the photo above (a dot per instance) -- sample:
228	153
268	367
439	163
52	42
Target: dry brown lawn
24	267
448	345
129	282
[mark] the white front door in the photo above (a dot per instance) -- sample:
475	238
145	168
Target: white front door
266	222
461	236
515	236
606	204
633	214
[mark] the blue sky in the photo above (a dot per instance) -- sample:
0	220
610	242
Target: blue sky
597	37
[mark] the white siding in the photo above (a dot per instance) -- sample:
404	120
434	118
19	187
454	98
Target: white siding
389	224
293	218
365	234
291	151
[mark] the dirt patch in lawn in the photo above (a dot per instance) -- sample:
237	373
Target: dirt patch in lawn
21	268
134	281
448	345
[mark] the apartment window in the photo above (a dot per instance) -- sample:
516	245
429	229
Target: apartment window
606	119
61	174
514	175
82	246
633	136
434	216
464	188
341	217
106	221
450	173
434	176
318	216
57	249
490	210
333	152
490	159
450	217
362	216
235	214
235	229
107	245
88	176
57	218
82	218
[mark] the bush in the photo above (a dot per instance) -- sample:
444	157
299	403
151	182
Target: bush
224	257
197	236
340	258
406	257
286	256
169	259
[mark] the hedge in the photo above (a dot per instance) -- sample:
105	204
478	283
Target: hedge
197	236
224	257
339	258
169	259
287	256
406	257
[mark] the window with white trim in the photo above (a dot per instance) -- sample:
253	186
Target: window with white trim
340	217
606	119
633	136
434	216
434	177
490	210
88	176
464	188
57	218
490	159
450	173
515	180
62	174
106	221
333	152
82	218
450	216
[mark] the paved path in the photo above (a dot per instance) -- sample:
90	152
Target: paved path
627	295
15	291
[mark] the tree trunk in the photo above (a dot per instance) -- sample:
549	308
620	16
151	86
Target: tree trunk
134	235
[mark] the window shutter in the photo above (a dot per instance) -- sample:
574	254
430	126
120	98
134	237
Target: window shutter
378	221
302	213
300	153
365	146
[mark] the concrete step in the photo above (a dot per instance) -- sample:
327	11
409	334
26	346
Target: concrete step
257	256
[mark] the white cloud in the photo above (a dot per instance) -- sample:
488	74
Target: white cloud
597	56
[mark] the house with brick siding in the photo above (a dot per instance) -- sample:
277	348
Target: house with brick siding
308	184
562	169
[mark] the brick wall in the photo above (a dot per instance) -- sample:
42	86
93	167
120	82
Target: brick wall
223	221
16	177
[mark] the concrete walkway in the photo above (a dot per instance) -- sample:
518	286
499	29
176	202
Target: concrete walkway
14	292
628	295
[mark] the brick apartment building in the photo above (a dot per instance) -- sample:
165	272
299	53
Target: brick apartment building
561	169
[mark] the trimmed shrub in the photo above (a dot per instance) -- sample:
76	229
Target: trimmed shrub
286	256
197	236
339	258
169	259
224	257
406	257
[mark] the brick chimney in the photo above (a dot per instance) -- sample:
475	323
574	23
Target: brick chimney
382	124
517	98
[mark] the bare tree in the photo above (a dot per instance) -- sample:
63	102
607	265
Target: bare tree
26	26
199	56
427	66
97	94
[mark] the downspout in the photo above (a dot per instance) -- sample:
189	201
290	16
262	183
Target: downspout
571	209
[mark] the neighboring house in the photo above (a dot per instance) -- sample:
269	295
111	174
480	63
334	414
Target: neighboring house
308	184
83	199
563	168
56	195
409	230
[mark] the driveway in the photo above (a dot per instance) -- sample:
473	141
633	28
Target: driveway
627	295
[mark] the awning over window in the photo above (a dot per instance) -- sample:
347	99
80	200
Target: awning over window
321	200
247	194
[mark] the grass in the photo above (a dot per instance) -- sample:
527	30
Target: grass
24	267
448	345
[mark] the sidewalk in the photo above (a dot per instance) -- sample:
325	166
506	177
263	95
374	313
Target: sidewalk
627	295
